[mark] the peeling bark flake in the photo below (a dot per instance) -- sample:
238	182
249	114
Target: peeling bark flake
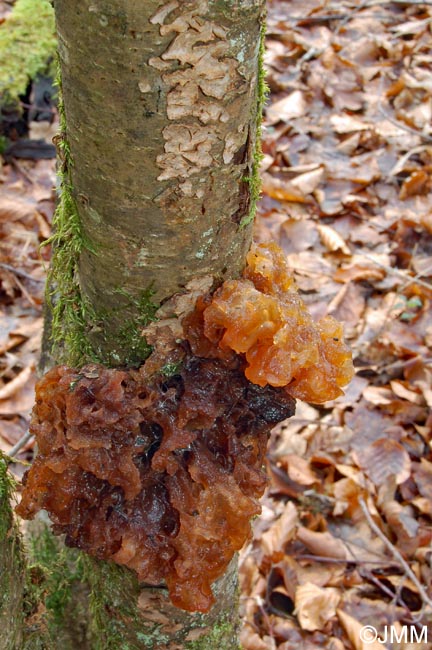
198	92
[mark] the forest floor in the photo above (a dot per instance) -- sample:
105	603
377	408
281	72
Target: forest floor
343	549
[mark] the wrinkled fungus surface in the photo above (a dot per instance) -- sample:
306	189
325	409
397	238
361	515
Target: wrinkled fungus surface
160	474
263	317
162	477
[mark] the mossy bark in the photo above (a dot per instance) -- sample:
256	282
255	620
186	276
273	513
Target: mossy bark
23	620
161	104
12	578
159	148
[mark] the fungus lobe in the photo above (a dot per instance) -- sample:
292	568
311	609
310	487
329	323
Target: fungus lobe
160	474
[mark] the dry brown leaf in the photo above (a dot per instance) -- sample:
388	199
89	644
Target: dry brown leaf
11	343
13	386
383	459
299	469
22	401
308	182
298	235
274	540
418	183
421	376
424	505
403	523
332	240
355	632
402	391
422	473
294	105
14	207
11	430
323	544
378	395
346	492
250	640
315	606
348	124
281	190
357	272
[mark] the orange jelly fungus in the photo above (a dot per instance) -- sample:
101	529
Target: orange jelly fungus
263	317
160	474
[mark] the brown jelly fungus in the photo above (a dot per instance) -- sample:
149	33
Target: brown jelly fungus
162	474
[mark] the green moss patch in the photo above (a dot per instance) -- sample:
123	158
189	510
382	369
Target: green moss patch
27	45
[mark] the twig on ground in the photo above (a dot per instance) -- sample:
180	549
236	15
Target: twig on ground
19	273
20	444
408	279
336	560
396	554
402	126
401	162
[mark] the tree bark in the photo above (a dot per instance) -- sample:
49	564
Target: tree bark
11	569
162	103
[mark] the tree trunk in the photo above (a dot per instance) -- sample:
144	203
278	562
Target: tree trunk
162	102
11	569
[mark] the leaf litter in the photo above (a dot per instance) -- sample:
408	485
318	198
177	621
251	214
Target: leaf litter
345	536
345	539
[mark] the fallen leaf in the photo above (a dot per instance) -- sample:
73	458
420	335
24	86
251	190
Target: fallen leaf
315	606
332	240
274	540
294	105
356	632
348	124
281	190
324	544
14	207
405	393
383	459
308	182
15	384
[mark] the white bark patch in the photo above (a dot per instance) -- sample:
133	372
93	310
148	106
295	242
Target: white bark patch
163	12
187	150
144	87
207	79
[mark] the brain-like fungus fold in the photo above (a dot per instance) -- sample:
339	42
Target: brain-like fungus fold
160	474
263	317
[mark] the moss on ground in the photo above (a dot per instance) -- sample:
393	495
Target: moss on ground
27	46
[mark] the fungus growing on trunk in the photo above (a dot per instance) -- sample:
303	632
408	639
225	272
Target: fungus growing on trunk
162	474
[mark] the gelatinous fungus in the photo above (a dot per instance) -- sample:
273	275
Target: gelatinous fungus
162	474
263	317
